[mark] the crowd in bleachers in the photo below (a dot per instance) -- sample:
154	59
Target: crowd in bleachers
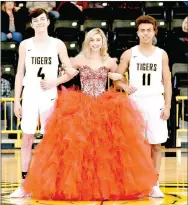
71	20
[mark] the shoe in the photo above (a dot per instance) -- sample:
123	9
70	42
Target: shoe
39	136
17	201
156	192
19	193
156	201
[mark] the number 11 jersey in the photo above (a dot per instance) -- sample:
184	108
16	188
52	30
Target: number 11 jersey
40	64
145	73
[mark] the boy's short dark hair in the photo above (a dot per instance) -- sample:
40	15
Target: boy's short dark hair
37	12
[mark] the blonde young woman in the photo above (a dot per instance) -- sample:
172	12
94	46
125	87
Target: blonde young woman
93	148
185	25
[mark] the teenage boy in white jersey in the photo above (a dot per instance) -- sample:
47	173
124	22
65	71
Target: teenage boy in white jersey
149	78
38	73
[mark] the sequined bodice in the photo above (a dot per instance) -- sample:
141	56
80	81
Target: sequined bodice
93	82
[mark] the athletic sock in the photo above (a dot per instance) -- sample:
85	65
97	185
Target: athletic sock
24	175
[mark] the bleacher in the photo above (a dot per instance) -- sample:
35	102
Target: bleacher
119	27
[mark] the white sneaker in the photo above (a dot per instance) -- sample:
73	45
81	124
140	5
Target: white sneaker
19	193
156	201
156	192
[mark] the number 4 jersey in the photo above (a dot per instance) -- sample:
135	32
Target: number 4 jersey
145	73
40	64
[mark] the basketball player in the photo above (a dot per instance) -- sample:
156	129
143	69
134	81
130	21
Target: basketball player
38	60
149	78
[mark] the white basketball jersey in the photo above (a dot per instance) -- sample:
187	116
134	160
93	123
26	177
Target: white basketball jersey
40	64
145	73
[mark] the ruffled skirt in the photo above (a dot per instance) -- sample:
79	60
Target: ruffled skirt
93	149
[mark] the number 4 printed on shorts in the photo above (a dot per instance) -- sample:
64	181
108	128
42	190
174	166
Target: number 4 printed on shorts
40	74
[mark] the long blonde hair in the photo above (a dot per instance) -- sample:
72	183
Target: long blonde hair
3	6
184	25
85	47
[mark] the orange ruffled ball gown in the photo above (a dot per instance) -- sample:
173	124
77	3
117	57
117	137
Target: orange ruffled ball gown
93	148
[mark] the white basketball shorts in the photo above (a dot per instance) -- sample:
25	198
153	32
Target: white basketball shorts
36	104
151	108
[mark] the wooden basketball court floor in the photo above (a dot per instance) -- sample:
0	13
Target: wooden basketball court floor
173	181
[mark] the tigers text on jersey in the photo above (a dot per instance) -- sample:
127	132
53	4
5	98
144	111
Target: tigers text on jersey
40	64
145	73
36	101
